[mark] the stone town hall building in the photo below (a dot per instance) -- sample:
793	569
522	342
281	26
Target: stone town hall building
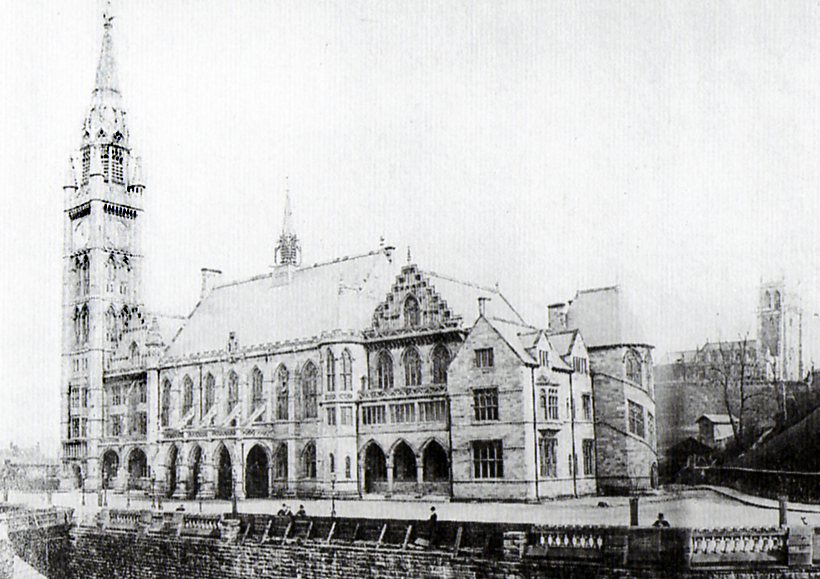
355	376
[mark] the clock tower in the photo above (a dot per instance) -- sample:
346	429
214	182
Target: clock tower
102	266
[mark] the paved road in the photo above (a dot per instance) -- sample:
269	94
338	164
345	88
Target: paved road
701	508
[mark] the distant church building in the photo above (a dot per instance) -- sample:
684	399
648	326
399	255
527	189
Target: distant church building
358	376
780	330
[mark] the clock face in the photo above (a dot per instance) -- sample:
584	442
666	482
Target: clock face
81	234
117	233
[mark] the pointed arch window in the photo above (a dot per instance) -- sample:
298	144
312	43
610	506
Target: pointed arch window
633	368
412	367
384	370
412	314
347	371
258	394
233	391
330	363
309	390
309	461
187	395
135	354
282	393
86	163
210	388
165	404
83	325
441	361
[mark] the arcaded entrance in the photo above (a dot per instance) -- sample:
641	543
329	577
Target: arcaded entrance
110	466
256	473
171	472
435	464
224	483
375	469
195	482
137	468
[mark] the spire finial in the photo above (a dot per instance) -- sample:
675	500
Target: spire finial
408	255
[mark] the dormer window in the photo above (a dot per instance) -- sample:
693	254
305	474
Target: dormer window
412	315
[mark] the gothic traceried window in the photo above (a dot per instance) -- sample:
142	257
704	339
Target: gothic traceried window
384	371
441	361
165	405
187	395
347	371
309	389
210	388
258	395
330	363
309	461
633	368
233	391
282	393
412	315
412	367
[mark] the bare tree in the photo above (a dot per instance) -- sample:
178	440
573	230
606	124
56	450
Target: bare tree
736	369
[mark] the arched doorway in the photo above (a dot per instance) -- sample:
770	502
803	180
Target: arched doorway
110	467
137	468
404	467
256	473
375	469
224	480
78	475
435	464
195	482
171	472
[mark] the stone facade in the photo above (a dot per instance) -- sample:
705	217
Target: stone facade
355	376
622	384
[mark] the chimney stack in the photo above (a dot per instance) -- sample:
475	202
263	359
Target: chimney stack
482	303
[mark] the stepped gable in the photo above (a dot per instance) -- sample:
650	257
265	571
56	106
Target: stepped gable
288	305
433	301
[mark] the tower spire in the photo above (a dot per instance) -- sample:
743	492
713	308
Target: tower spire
106	79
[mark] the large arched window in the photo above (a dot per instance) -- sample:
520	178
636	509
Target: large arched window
441	361
187	395
347	371
330	363
309	393
282	393
165	404
633	367
412	315
210	388
309	461
233	391
412	367
258	394
384	370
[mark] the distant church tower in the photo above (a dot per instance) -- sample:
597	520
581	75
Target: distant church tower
780	329
102	265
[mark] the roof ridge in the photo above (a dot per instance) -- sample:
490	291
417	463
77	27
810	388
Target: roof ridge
462	282
298	270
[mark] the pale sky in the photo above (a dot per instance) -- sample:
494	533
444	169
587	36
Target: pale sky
546	146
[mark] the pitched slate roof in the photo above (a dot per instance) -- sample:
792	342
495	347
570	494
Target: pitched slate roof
340	296
288	304
563	341
605	318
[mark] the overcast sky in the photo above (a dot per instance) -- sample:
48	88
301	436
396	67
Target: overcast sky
546	146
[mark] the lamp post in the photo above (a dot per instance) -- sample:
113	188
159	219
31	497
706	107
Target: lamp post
128	490
233	493
333	495
153	491
82	486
